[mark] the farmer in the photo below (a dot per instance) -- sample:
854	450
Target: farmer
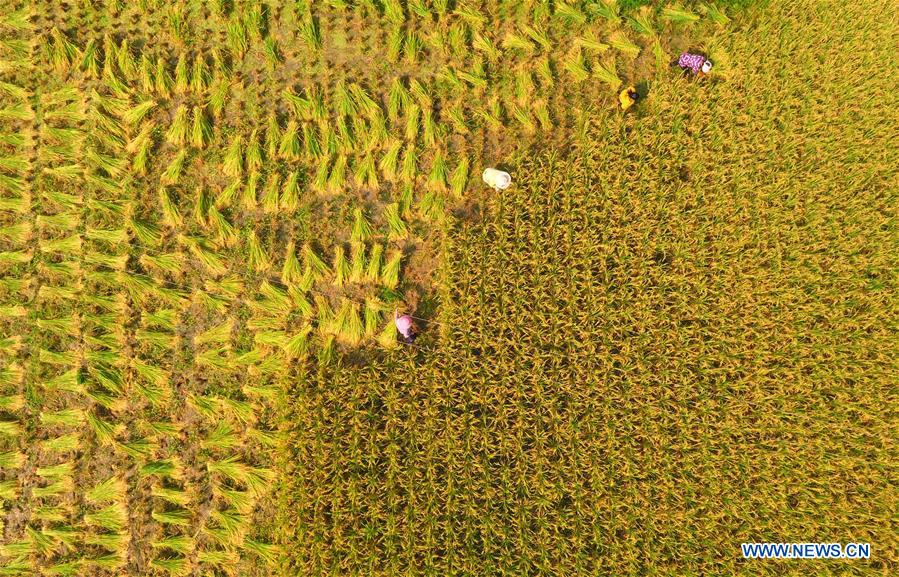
628	97
405	326
696	64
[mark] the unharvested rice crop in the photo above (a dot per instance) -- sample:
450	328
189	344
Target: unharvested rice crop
674	333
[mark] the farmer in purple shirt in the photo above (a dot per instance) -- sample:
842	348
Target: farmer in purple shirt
695	63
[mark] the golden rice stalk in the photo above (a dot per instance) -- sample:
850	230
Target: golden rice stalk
576	66
341	266
201	130
390	273
290	193
608	73
357	262
257	257
271	193
622	43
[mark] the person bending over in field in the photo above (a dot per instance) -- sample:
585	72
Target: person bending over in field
628	97
695	64
406	328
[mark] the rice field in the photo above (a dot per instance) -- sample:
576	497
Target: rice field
674	333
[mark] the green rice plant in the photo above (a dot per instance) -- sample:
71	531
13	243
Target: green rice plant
211	261
290	194
201	130
311	148
62	443
10	428
387	337
257	257
678	15
390	273
622	43
43	545
178	130
608	73
113	517
113	166
576	66
271	193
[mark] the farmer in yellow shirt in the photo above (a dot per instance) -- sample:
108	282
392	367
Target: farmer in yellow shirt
628	97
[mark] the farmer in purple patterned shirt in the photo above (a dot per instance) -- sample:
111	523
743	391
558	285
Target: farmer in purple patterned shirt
695	63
